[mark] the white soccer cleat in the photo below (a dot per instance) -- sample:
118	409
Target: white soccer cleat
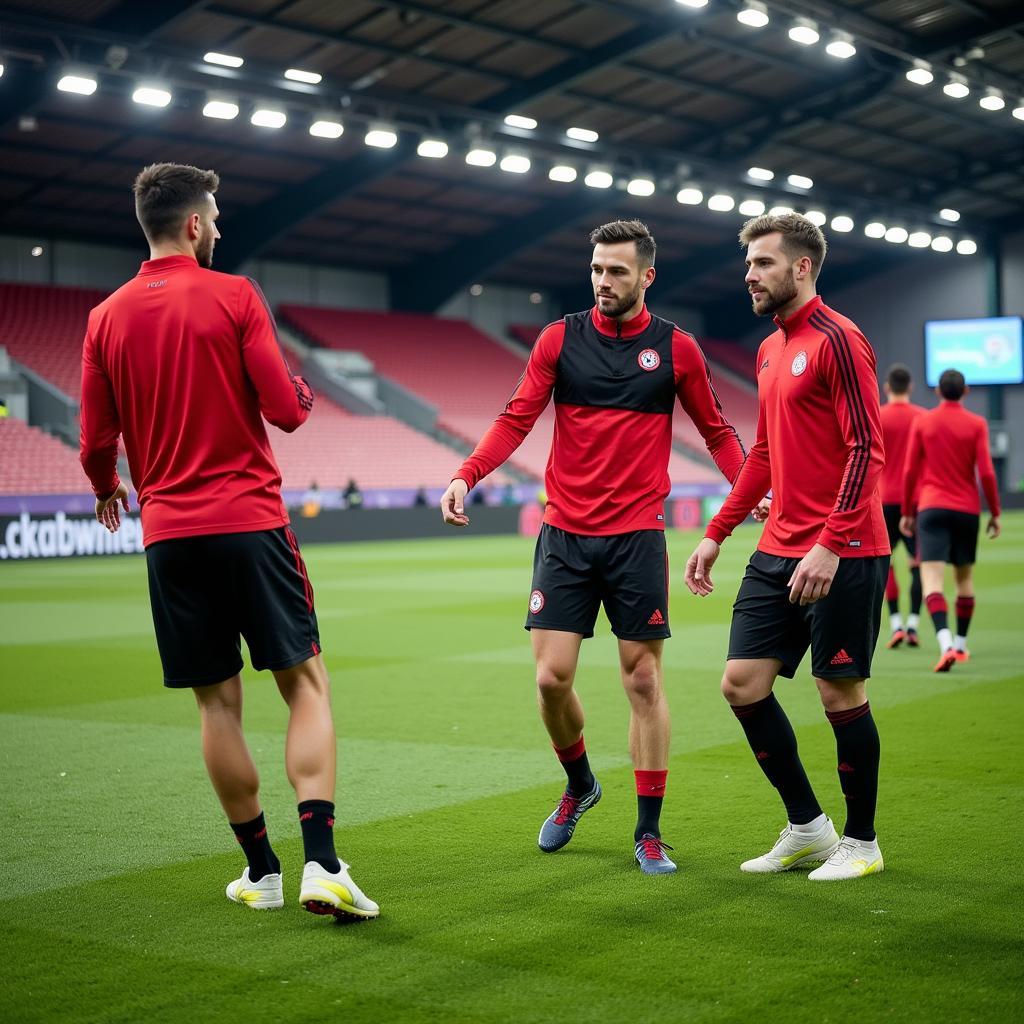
853	858
335	894
266	894
795	848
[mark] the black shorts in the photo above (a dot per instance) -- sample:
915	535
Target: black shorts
892	526
207	591
841	629
574	575
947	536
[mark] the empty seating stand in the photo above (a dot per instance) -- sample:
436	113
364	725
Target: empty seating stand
454	366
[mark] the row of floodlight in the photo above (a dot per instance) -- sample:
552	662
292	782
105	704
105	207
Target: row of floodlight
385	136
724	202
842	46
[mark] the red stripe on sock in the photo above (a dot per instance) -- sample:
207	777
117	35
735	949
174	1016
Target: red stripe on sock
936	603
650	783
964	607
849	715
577	750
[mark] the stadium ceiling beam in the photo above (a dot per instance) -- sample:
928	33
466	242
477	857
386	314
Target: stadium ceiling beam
297	204
386	50
582	65
145	20
915	188
431	281
24	88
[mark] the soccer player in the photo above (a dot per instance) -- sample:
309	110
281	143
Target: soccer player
817	577
184	364
616	373
898	414
947	452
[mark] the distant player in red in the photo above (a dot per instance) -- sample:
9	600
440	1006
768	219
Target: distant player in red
617	374
947	453
817	577
898	414
184	364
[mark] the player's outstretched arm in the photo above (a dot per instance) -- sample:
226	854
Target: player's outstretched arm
698	567
453	503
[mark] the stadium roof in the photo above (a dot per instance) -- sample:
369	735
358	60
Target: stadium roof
680	96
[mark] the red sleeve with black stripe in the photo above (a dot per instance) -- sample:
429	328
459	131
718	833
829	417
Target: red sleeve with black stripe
848	367
285	400
528	401
697	396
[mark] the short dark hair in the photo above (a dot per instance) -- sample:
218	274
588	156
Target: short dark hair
800	237
898	379
952	385
165	193
628	231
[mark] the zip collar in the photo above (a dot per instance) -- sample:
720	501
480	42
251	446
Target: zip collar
612	328
799	319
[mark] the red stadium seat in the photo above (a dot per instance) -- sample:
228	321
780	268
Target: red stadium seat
34	462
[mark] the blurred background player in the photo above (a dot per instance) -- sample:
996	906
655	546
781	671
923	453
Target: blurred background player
185	364
616	373
817	577
947	452
898	413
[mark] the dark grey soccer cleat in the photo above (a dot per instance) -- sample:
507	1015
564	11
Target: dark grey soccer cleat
557	830
650	855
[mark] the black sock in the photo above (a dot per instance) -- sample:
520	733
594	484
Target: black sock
964	611
316	817
773	742
915	590
252	837
577	768
858	752
938	610
648	817
650	795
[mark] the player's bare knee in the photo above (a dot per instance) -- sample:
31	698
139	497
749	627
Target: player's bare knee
841	694
553	683
735	686
643	684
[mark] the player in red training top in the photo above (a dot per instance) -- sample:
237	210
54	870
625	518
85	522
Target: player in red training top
898	414
184	363
817	577
948	451
616	373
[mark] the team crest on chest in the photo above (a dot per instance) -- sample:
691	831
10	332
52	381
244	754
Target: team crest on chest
649	360
799	363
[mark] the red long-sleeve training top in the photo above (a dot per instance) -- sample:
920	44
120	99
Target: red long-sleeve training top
182	361
948	450
819	441
897	419
615	386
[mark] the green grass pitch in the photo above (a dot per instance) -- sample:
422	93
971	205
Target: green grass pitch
115	853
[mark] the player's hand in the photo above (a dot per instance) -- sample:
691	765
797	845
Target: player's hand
992	528
453	504
698	567
907	526
764	506
108	511
813	577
